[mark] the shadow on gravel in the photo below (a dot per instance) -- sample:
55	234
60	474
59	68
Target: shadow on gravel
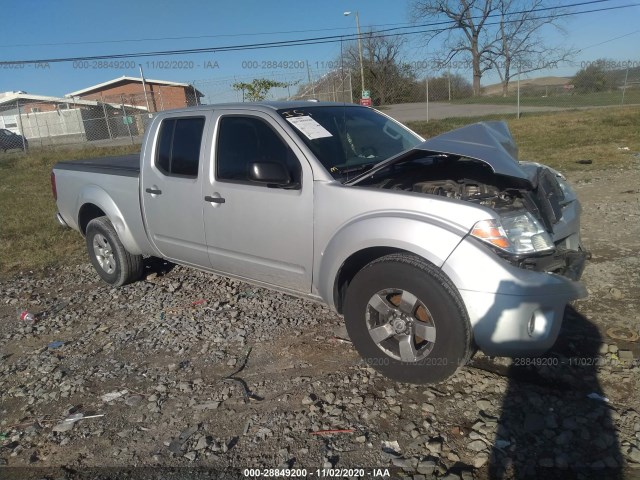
156	265
555	422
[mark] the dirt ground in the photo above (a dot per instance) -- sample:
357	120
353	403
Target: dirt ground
188	375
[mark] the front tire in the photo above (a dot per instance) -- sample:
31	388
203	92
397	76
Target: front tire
407	320
108	256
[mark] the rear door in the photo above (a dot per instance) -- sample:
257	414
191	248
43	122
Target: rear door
171	187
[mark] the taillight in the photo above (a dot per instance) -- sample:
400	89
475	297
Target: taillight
54	190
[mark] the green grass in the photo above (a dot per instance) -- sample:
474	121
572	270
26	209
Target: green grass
559	139
597	99
30	236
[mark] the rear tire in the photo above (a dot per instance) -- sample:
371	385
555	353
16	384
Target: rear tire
407	320
108	256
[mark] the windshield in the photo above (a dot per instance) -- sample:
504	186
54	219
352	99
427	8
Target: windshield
349	140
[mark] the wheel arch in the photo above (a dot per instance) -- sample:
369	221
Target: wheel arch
88	212
352	265
364	241
94	202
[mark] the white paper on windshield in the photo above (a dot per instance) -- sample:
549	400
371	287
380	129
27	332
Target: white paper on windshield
309	127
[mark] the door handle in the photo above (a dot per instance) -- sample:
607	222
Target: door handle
211	199
153	191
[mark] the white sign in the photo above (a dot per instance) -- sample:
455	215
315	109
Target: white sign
309	127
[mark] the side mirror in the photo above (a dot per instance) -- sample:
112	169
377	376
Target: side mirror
269	172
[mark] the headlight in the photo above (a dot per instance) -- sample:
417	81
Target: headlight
518	233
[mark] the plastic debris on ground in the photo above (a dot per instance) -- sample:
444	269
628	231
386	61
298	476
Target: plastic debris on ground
330	432
111	396
391	446
623	334
25	316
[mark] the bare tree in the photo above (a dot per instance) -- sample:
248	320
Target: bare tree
386	74
468	35
495	34
518	42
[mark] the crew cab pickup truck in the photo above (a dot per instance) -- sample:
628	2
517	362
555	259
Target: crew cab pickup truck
430	249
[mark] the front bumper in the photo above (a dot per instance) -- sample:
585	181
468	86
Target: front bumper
513	311
568	263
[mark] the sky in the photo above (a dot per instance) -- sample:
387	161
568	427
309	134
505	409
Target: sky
73	28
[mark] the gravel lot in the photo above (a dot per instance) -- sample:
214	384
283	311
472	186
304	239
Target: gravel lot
140	376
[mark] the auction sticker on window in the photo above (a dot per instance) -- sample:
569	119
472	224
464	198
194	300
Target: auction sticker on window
309	127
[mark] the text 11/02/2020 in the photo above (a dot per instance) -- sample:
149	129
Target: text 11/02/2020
317	473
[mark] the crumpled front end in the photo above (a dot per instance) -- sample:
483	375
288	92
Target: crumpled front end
513	311
560	210
516	301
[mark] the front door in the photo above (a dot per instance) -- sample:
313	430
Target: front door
171	188
255	230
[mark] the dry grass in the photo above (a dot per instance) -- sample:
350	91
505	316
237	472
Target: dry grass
30	236
560	139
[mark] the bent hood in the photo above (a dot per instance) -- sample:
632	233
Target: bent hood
488	142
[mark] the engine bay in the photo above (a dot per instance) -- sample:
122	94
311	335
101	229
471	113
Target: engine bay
462	179
470	191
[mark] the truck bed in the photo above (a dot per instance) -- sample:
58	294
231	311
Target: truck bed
124	165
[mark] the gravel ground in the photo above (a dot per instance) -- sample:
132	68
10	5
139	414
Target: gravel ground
186	369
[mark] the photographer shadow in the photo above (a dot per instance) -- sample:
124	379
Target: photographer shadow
555	421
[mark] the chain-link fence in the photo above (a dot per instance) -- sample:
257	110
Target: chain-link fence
54	124
407	94
100	119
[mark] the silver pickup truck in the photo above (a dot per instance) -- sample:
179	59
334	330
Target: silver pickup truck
430	249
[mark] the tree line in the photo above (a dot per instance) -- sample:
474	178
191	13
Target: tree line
508	37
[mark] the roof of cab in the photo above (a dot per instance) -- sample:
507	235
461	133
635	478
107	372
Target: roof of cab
265	105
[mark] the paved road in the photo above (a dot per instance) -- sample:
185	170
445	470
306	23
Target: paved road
410	112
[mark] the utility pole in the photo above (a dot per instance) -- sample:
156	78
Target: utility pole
359	50
624	89
518	107
144	87
313	85
24	145
350	87
427	82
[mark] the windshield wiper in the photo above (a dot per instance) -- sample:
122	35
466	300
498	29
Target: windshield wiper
358	168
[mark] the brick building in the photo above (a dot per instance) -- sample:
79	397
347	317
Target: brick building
160	94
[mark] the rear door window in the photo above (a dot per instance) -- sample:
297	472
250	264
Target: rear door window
178	147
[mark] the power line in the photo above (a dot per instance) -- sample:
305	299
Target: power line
609	40
307	41
253	34
196	37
